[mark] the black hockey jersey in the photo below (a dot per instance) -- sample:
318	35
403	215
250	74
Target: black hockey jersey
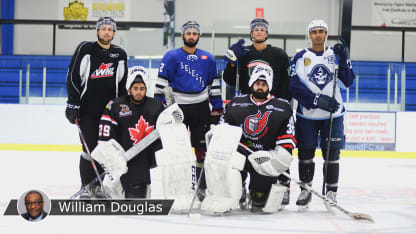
129	123
95	76
272	56
265	125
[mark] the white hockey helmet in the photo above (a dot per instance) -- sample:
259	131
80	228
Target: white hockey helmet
137	74
262	72
317	24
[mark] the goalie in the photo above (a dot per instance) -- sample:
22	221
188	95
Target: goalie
127	120
267	129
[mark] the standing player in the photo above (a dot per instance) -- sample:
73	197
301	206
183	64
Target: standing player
247	58
268	127
312	83
128	119
193	76
97	73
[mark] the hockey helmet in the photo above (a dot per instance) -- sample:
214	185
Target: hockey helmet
106	21
191	24
137	74
317	24
262	72
259	22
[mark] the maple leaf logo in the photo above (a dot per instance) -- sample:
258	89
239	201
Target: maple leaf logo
141	130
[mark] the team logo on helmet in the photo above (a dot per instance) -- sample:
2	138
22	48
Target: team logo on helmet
105	70
320	76
256	125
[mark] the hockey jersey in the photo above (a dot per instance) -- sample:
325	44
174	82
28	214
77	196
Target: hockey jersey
95	76
265	125
193	77
272	56
313	72
128	124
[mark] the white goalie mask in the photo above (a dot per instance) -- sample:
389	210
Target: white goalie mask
262	72
134	72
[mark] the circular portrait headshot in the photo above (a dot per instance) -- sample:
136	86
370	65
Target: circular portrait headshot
34	205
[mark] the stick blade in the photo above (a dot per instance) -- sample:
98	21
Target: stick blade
361	216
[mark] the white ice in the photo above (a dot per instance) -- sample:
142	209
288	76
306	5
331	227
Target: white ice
382	188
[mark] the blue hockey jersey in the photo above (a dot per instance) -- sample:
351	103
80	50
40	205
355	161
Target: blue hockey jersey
193	77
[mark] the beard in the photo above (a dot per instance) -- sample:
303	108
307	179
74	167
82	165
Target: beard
259	94
190	44
103	41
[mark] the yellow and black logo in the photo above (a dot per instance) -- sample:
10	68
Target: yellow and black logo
76	11
307	61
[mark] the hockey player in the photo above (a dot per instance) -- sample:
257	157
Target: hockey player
192	73
128	119
97	73
312	83
247	57
268	126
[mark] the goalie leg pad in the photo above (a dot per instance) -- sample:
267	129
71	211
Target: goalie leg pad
274	201
223	181
113	187
176	161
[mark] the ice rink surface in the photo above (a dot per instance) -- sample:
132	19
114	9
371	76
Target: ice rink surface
382	188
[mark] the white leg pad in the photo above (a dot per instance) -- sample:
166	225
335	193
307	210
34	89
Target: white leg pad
274	201
223	181
176	160
113	187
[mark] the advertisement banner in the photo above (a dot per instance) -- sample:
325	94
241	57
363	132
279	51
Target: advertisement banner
394	13
370	131
91	10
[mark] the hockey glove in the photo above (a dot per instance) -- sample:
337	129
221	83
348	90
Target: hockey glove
215	116
341	50
325	102
272	162
72	112
235	52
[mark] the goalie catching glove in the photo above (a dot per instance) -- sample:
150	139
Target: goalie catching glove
272	162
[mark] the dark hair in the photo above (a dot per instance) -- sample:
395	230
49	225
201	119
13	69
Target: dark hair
33	191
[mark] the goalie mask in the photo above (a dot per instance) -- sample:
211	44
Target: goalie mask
262	72
106	21
137	74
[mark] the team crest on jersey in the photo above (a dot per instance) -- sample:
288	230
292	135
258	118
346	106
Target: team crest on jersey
204	57
192	57
320	76
307	62
125	110
254	63
105	70
256	125
140	130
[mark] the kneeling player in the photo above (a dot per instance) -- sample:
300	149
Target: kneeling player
268	129
129	119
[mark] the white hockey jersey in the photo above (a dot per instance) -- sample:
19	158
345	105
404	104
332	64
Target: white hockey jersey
314	72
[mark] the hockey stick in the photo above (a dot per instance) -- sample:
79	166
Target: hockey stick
356	216
331	120
143	144
91	159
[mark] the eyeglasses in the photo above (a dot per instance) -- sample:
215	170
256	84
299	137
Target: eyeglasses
36	203
191	33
